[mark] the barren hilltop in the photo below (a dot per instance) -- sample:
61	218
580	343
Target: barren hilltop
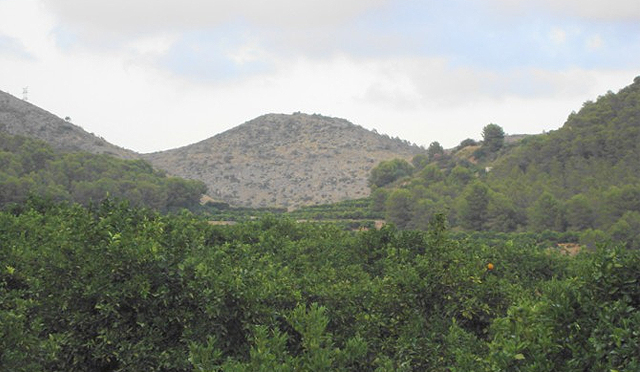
285	160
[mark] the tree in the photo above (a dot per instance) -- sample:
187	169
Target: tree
389	171
546	214
398	208
627	229
378	199
474	206
420	161
503	215
430	174
493	138
466	142
435	151
460	175
579	213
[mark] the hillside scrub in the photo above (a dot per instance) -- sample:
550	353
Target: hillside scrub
112	287
285	161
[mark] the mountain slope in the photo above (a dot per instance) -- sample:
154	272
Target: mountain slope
31	167
600	142
585	175
18	117
285	160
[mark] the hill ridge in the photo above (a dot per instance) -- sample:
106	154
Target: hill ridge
19	117
285	160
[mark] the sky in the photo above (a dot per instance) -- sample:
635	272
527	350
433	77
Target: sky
152	75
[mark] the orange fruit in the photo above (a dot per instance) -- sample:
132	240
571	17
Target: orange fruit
490	266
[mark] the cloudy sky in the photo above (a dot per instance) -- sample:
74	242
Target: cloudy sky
152	75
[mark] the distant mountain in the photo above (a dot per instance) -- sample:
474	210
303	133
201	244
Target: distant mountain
285	160
18	117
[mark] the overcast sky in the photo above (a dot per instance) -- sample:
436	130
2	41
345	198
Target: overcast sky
151	75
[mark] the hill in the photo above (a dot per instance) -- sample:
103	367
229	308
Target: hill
271	161
583	176
18	117
30	167
285	160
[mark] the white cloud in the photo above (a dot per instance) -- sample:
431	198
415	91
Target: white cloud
124	16
611	11
411	82
23	23
157	44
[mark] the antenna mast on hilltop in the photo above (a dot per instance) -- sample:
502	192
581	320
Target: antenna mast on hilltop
25	93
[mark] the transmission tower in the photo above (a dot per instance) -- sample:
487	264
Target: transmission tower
25	93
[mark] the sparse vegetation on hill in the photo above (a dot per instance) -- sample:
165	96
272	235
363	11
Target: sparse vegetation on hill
18	117
285	161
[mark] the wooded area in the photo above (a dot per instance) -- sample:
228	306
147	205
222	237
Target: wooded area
113	287
582	177
30	167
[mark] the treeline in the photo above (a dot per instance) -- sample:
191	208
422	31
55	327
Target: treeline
115	288
31	167
582	177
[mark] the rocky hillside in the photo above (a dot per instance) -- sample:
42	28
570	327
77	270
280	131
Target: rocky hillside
285	160
274	160
18	117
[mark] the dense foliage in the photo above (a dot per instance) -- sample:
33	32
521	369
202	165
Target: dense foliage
112	287
583	177
31	167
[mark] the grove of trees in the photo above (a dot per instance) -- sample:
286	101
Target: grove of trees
583	177
31	167
112	287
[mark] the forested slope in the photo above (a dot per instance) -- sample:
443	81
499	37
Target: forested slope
584	176
590	167
29	167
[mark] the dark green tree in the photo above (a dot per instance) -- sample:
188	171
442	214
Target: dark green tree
547	213
466	143
389	171
627	229
378	199
579	213
460	176
420	161
492	138
473	209
430	174
435	151
398	208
